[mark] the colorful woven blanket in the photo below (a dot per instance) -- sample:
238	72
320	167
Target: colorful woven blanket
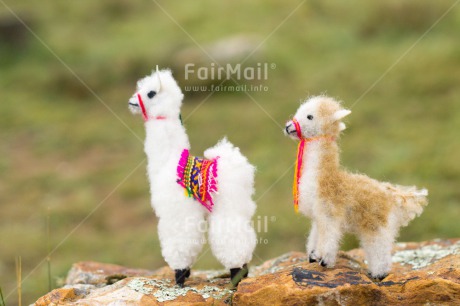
198	176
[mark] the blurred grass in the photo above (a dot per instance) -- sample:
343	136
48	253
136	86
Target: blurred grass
63	150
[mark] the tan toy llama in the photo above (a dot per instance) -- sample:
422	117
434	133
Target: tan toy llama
338	201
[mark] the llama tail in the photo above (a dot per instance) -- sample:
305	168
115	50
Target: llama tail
410	201
230	156
235	174
225	149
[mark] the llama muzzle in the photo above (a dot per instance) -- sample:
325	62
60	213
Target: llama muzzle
290	128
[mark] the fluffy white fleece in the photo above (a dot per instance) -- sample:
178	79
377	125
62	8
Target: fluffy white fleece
182	220
318	121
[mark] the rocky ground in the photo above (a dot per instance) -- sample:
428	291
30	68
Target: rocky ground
426	273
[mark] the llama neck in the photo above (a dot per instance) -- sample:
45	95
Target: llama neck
165	141
320	156
322	153
329	156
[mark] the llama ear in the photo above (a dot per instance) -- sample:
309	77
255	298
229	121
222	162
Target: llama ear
159	79
342	126
340	114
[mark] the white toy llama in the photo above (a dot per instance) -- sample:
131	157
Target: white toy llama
185	190
338	201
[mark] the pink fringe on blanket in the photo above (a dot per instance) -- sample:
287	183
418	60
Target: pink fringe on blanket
198	176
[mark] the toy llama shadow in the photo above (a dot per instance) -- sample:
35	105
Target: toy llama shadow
338	201
185	190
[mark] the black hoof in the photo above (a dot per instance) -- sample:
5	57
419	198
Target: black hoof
379	277
237	274
311	257
322	263
181	275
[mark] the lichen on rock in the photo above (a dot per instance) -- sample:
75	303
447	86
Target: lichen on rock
138	284
164	291
422	257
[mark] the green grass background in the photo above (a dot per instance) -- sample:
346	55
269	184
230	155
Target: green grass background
65	155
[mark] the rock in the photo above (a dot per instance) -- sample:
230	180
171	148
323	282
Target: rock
425	273
90	283
58	296
100	274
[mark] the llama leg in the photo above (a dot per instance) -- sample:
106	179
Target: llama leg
181	275
237	274
311	242
181	239
378	253
232	241
328	238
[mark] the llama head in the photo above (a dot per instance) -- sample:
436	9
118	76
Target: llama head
157	96
318	116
